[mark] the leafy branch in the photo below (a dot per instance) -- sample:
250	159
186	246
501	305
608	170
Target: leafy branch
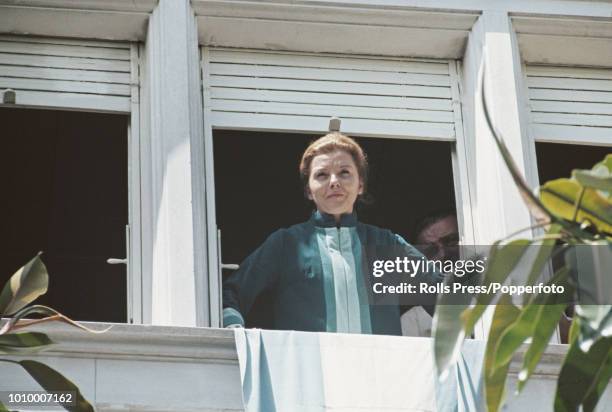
576	214
27	284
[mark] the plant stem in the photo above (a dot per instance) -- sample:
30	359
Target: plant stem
26	323
548	237
8	361
578	202
538	225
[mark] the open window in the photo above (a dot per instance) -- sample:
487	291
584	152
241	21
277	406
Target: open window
263	108
69	114
258	189
66	195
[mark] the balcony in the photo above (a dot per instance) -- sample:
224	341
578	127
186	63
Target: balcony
161	368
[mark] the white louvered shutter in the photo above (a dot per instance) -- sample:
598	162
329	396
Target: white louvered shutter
258	90
69	74
570	104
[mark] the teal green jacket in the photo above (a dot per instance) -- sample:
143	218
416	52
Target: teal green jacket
319	274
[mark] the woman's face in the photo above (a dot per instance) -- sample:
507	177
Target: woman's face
334	182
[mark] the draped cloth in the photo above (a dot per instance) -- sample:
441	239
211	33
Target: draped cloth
463	389
306	371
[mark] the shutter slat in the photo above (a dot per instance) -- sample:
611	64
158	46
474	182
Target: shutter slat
307	73
332	110
305	60
64	62
64	74
570	95
570	107
569	84
65	86
116	104
65	41
314	124
330	98
552	133
569	72
64	50
331	87
573	119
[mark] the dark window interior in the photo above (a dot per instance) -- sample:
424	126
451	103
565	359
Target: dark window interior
65	194
258	189
558	160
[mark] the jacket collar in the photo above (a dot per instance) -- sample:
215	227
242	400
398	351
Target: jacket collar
325	220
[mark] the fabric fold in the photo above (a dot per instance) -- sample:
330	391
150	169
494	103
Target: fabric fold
306	371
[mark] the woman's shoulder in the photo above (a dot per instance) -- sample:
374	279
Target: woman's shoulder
380	234
388	239
285	233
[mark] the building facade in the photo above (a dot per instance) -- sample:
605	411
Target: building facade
174	77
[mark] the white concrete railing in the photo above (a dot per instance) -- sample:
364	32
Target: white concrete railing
141	368
160	368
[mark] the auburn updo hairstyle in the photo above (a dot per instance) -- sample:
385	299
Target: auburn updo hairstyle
329	143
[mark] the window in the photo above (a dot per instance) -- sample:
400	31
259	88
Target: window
66	195
258	189
263	108
82	183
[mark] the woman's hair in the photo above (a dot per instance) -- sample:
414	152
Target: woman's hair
329	143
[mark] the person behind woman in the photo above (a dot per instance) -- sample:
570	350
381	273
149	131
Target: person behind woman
319	272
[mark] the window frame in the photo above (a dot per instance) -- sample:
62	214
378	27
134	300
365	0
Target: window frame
458	161
133	229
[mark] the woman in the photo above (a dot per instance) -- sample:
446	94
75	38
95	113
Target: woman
319	271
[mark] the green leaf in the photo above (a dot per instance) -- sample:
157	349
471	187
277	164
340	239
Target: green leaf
544	251
607	162
595	322
580	375
560	197
597	316
514	335
550	309
542	316
545	326
24	286
495	380
502	262
599	385
594	180
591	264
3	408
24	340
574	329
52	380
